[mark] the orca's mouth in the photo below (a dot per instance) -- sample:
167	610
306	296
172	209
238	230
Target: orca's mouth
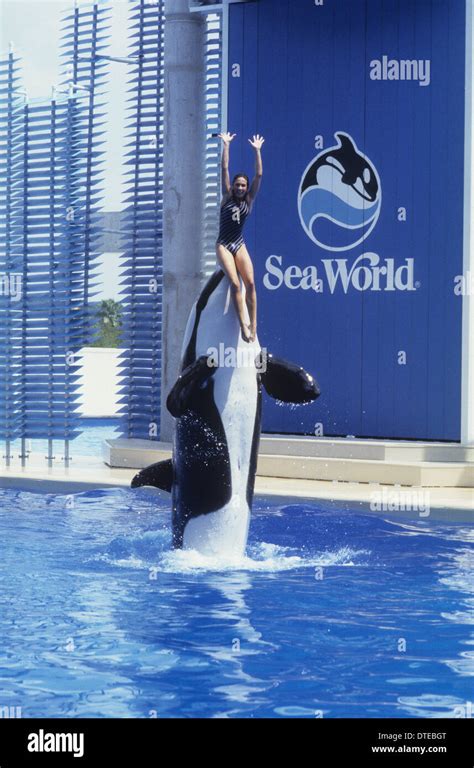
361	189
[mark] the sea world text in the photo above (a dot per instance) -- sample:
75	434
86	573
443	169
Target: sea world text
367	273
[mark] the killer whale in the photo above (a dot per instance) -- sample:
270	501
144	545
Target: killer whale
217	411
349	167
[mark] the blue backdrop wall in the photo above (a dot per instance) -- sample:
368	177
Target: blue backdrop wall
356	236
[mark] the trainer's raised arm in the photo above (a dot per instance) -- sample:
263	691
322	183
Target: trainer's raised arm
226	139
256	142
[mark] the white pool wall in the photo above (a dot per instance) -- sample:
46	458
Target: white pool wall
99	388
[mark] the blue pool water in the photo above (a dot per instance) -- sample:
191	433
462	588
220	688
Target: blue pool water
332	613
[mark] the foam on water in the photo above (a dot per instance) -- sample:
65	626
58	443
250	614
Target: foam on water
260	557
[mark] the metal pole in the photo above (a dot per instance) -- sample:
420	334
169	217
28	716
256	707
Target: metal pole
183	182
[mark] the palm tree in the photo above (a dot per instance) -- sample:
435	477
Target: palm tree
108	324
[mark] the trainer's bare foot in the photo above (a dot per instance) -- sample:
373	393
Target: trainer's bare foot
253	333
245	333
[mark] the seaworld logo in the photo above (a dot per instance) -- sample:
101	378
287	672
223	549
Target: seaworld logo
339	201
339	197
366	274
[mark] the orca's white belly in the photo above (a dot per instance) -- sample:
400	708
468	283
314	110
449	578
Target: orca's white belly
224	531
220	534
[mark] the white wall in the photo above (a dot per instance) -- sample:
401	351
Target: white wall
99	386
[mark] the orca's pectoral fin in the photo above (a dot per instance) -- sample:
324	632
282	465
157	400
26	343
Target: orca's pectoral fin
194	375
286	381
159	475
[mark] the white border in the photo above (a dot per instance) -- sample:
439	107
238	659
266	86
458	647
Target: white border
467	375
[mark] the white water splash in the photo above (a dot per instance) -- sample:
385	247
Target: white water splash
262	557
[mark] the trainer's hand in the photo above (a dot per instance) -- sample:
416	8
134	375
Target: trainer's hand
226	137
257	141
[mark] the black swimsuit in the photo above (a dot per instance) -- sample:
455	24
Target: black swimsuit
233	216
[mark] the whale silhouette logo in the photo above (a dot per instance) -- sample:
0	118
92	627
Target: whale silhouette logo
339	196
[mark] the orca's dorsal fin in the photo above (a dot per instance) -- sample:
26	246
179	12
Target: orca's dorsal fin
159	475
286	381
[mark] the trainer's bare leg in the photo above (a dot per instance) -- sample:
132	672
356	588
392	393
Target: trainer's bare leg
227	262
244	266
